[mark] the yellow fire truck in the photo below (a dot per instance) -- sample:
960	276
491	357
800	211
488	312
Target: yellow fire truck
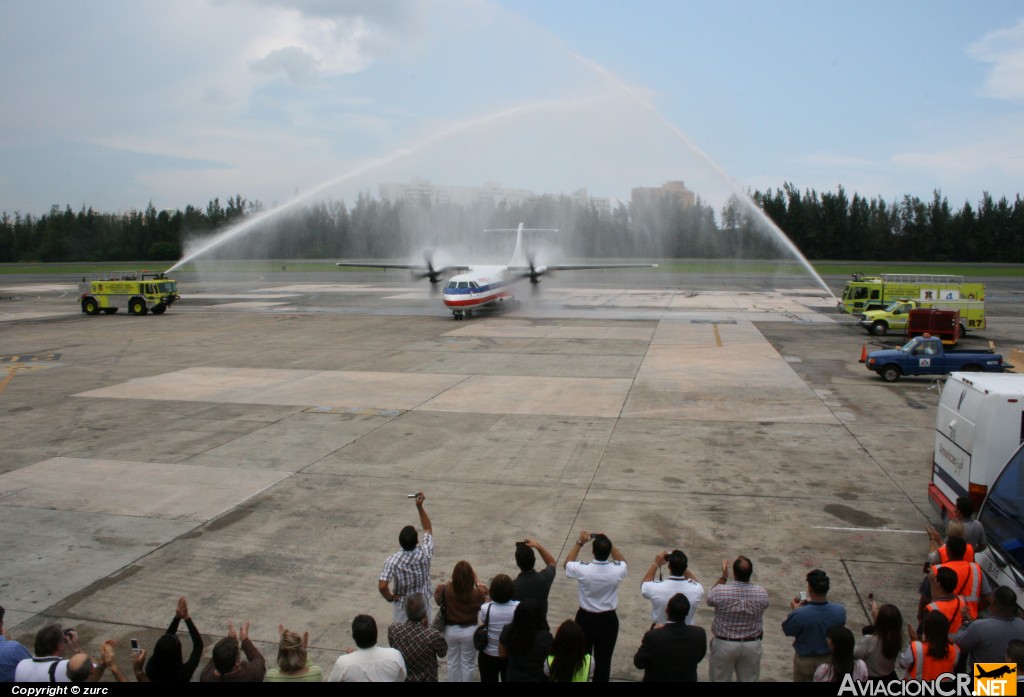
136	292
865	293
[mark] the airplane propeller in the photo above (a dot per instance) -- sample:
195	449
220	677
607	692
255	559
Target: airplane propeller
534	274
434	275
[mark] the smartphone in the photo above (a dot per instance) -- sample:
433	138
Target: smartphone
135	647
803	596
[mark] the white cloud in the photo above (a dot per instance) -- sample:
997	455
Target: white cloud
329	38
306	49
990	160
1004	49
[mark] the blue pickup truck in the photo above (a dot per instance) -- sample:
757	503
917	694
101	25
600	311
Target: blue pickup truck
925	355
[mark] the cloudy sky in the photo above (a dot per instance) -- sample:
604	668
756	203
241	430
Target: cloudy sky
115	103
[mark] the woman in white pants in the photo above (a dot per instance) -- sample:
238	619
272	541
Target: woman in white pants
459	601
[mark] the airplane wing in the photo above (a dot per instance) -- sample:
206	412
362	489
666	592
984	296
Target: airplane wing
537	270
580	267
413	267
426	270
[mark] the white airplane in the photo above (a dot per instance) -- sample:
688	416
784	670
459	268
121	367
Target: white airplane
478	286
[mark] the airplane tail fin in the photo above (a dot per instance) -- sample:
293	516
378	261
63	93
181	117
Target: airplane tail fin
519	255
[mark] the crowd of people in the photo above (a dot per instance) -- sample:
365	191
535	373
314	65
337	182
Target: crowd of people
500	631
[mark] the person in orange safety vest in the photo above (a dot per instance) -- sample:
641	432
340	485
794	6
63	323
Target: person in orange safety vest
933	656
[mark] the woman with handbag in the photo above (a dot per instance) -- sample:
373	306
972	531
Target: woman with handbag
459	601
494	616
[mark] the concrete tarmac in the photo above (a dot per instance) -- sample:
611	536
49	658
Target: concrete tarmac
253	448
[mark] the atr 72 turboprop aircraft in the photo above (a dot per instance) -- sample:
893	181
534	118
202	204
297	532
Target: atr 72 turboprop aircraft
479	286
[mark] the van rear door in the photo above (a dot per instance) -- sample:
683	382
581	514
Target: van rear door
1002	516
955	428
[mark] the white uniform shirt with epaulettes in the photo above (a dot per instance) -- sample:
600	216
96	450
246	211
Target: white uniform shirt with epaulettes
660	592
599	583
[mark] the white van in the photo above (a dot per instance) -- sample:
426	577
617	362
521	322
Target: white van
980	423
1003	519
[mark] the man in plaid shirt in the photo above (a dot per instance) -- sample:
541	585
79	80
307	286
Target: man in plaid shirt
409	569
737	627
419	643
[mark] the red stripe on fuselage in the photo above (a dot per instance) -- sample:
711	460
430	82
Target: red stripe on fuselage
476	301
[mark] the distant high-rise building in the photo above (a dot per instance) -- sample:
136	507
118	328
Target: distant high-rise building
672	190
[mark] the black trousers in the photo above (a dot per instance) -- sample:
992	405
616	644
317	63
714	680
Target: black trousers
602	631
491	667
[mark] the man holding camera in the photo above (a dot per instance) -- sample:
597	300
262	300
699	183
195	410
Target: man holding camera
48	664
808	623
530	583
598	597
409	568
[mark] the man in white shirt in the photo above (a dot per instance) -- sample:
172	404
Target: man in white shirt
598	597
49	666
369	662
680	580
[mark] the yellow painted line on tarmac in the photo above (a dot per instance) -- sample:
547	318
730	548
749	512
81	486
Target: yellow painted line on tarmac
718	337
10	376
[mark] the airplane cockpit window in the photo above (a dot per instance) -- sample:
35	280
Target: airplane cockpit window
472	284
453	284
463	284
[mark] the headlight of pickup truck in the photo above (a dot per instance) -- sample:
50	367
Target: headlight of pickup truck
871	361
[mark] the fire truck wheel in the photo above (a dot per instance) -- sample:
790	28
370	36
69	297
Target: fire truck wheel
159	309
90	306
137	306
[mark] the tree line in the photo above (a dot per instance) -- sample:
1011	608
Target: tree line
826	225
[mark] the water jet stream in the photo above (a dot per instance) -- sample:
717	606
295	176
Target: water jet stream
741	195
608	86
511	114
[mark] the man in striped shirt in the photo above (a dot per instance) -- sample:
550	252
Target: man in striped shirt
737	628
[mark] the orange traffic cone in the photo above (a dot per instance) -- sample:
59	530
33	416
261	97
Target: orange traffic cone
864	353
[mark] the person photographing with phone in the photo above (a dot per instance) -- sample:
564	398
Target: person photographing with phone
598	597
530	583
409	568
808	623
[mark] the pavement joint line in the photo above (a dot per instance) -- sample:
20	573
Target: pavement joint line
702	492
834	527
843	424
319	460
856	590
147	516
